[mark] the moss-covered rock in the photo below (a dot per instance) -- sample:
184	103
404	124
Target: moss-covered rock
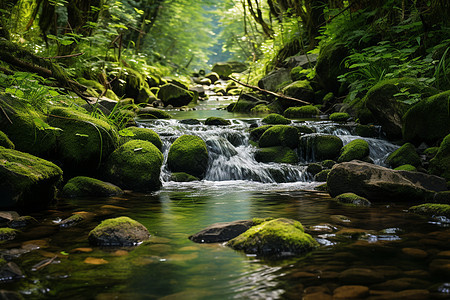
5	141
243	104
328	163
188	154
406	168
369	131
139	133
121	231
314	168
171	94
154	113
222	69
406	154
298	73
322	175
279	135
300	90
303	129
431	152
279	237
320	147
301	112
276	154
132	84
216	121
339	117
352	199
82	186
431	209
261	109
8	234
182	177
276	119
26	182
429	120
256	133
213	76
84	141
135	165
329	65
440	164
356	149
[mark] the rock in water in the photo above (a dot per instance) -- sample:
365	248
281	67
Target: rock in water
171	94
221	232
26	182
279	238
85	186
188	154
121	231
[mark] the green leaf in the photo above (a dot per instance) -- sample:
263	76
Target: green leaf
81	135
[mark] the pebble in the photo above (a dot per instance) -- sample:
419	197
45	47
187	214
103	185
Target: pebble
350	292
360	276
414	252
318	296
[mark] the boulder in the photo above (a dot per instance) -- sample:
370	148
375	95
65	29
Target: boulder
276	119
121	231
261	109
279	135
356	149
314	168
440	164
280	237
182	177
299	90
431	209
188	154
377	183
306	111
89	187
213	76
384	104
171	94
320	147
405	155
132	84
84	142
340	117
221	232
245	103
139	133
352	199
135	165
322	175
303	61
5	141
276	154
274	79
369	131
222	69
329	65
26	182
153	113
429	120
256	133
216	121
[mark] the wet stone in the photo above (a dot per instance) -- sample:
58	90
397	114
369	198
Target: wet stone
417	273
360	276
318	296
340	219
350	292
221	232
322	228
416	294
6	216
440	267
400	284
415	253
317	289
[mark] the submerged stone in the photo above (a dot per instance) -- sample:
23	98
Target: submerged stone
431	209
121	231
352	199
188	154
221	232
279	238
82	186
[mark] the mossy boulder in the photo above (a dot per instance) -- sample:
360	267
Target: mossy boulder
298	73
276	154
188	154
153	113
303	129
213	76
5	141
329	65
182	177
222	69
82	186
301	112
440	164
275	79
339	117
279	135
431	209
8	234
431	152
320	147
356	149
299	90
121	231
256	133
406	154
352	199
276	119
277	238
135	165
26	182
322	175
386	106
132	84
369	131
216	121
139	133
328	163
84	141
429	120
406	168
261	109
171	94
314	168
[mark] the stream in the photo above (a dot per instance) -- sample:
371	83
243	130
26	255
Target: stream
383	248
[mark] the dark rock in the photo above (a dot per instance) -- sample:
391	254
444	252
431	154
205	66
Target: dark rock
256	133
213	77
350	292
304	61
274	79
313	168
440	164
329	65
154	112
190	122
89	187
171	94
22	222
352	199
322	175
9	271
182	177
221	232
121	231
10	295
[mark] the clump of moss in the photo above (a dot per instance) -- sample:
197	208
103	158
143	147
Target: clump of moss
431	152
339	117
256	133
188	154
82	186
5	141
153	113
279	135
7	234
301	112
138	133
328	163
121	231
322	175
356	149
277	154
440	164
431	209
261	109
217	121
321	147
174	95
406	154
314	168
276	119
279	238
352	199
182	177
300	90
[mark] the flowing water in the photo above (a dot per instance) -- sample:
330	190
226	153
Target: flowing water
395	250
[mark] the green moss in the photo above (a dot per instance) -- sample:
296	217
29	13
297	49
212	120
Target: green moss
7	234
313	168
182	177
352	199
144	134
366	131
440	164
356	149
188	154
276	119
329	65
297	74
431	152
256	133
91	83
121	231
174	95
217	121
406	154
322	188
300	90
406	168
328	97
322	175
328	163
111	95
85	186
339	117
279	237
135	165
5	141
279	135
261	109
321	146
301	112
243	105
431	209
156	113
276	154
